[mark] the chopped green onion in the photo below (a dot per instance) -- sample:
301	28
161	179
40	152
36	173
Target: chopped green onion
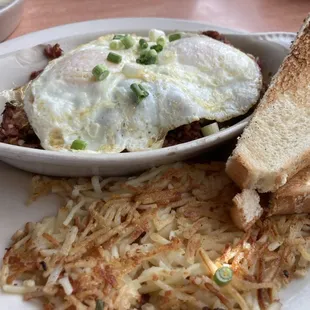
154	34
113	57
116	45
152	53
158	48
143	44
210	129
118	36
148	57
139	91
161	41
132	70
99	304
128	41
78	145
223	276
174	37
100	72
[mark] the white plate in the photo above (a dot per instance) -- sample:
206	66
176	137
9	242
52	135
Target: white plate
15	184
14	190
271	48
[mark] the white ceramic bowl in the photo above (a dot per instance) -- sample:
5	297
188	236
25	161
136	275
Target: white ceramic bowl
18	65
10	16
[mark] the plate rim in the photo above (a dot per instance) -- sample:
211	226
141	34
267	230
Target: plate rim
14	44
65	28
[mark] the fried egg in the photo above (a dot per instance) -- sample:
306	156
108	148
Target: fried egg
195	77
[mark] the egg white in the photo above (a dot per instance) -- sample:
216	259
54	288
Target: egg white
195	77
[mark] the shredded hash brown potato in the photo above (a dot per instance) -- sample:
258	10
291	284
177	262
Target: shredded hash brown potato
152	242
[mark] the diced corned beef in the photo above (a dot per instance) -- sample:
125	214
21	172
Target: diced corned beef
53	52
216	35
16	129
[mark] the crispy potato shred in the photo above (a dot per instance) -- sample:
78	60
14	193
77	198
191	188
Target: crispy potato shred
152	242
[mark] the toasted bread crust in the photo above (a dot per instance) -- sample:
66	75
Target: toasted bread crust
293	77
293	197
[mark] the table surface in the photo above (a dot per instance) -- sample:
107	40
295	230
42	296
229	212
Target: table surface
250	15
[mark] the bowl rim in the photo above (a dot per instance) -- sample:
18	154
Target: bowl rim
75	158
9	6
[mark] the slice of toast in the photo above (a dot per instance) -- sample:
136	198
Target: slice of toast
276	143
293	197
246	209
